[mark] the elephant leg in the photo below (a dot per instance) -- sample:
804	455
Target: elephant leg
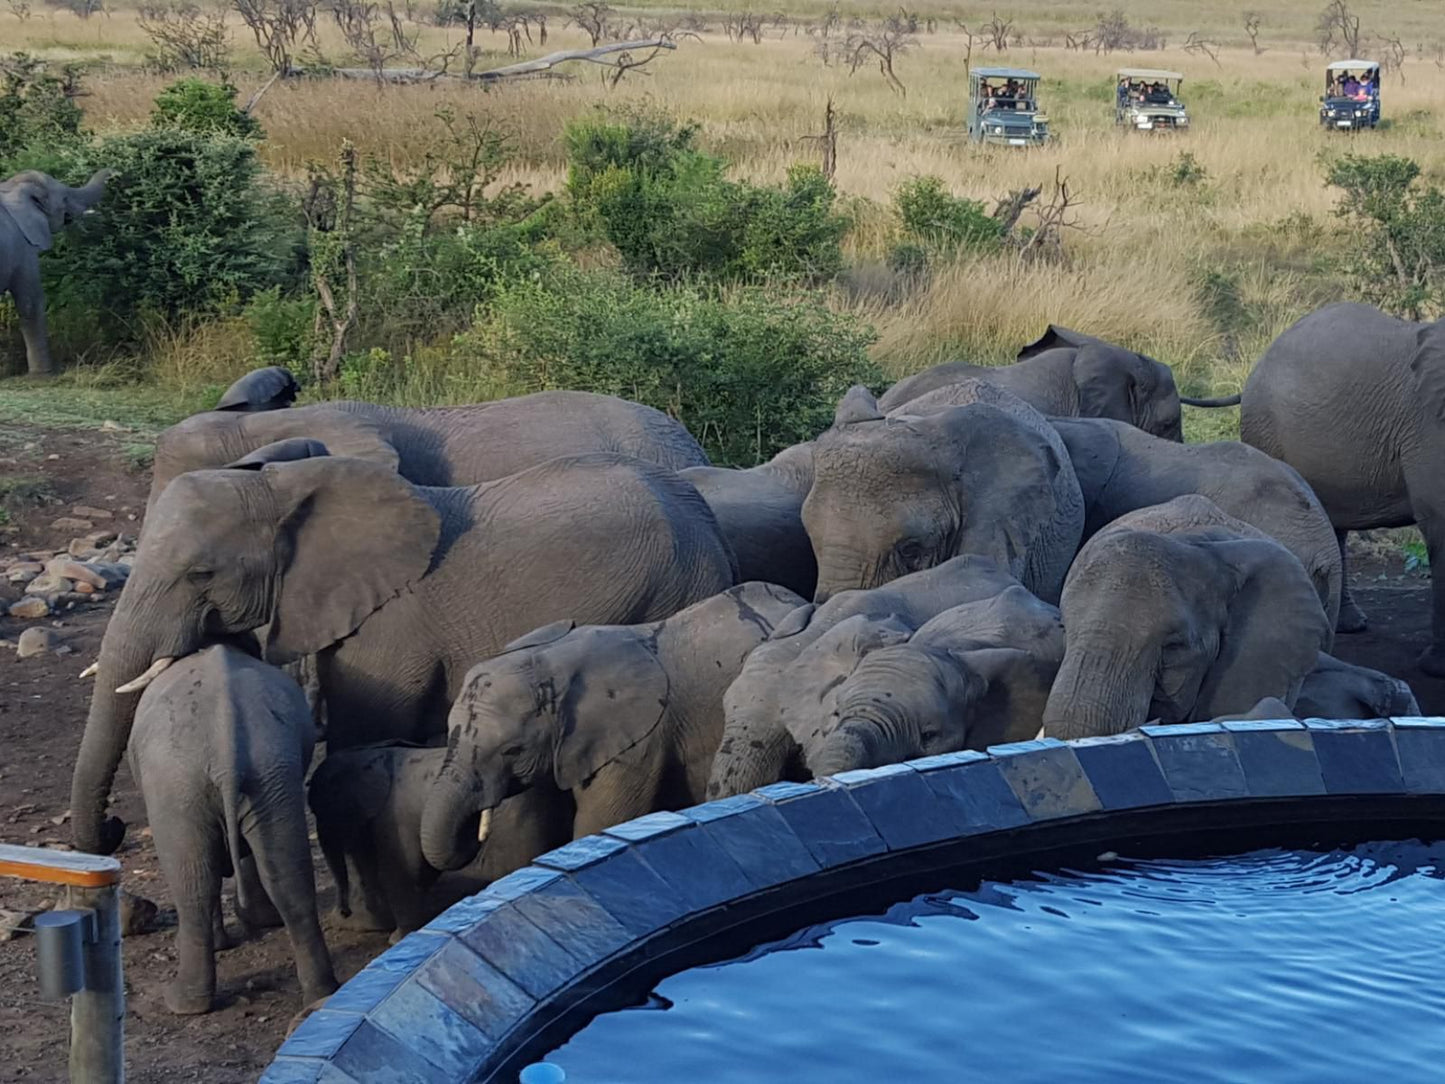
1432	526
405	889
220	936
369	909
30	306
253	902
191	856
281	857
1352	618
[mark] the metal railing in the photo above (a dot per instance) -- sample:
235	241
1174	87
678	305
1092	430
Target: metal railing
78	954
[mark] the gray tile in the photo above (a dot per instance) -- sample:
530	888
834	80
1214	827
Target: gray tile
1422	757
831	826
1047	779
570	919
698	870
473	988
322	1033
978	792
516	947
1200	765
947	760
522	881
1418	722
441	1032
649	826
901	805
580	853
365	990
376	1056
1357	760
754	835
1279	762
631	893
407	954
292	1071
1123	772
1245	726
464	914
1347	724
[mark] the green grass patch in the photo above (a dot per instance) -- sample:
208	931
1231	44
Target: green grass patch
74	401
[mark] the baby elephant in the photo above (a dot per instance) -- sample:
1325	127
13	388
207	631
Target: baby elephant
368	803
220	749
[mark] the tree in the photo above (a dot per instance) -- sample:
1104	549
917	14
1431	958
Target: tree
593	18
884	42
998	31
1252	20
186	36
1338	28
279	27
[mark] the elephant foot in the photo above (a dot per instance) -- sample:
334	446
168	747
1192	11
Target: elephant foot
365	921
222	940
1352	618
184	1000
1432	661
259	916
313	993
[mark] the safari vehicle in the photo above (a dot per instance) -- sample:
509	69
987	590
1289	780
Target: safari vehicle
1003	107
1147	100
1352	95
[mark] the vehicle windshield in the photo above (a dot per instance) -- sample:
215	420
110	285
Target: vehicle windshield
1008	95
1146	93
1359	86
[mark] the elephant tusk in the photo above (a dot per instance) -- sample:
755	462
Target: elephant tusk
1040	734
484	826
154	671
90	670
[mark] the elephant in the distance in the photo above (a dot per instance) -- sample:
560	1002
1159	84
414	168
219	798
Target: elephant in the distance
1179	613
1121	469
437	446
757	747
897	495
398	589
219	751
1354	400
1068	374
614	720
34	207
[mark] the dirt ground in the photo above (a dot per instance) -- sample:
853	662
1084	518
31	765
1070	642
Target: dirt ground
42	711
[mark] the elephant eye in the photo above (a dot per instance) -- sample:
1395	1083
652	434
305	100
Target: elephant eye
199	575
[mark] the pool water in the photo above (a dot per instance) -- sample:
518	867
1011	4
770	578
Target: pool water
1272	967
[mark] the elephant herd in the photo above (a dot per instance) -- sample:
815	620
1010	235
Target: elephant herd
520	622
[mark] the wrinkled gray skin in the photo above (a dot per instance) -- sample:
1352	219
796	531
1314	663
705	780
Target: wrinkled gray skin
1354	399
220	750
1179	613
1121	469
440	446
271	388
1341	690
624	719
399	589
34	207
1070	375
974	676
757	747
760	511
897	495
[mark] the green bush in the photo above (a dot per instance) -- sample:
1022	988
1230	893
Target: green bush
749	371
195	105
282	328
949	223
37	111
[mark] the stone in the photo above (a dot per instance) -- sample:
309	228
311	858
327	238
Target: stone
67	568
71	523
30	606
137	914
85	511
82	588
112	427
36	640
24	571
109	573
47	584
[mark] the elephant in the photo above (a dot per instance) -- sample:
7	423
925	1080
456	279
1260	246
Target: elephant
1354	400
271	388
760	511
1335	689
219	750
1069	374
899	494
622	719
974	676
398	589
1121	469
34	207
1270	708
440	446
1180	613
757	747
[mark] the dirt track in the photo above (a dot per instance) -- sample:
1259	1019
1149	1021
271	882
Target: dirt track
42	712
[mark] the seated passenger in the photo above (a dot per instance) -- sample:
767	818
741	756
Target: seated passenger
1350	87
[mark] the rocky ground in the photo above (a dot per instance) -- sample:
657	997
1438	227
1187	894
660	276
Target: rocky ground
72	502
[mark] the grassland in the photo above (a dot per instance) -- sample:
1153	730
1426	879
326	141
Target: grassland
1200	267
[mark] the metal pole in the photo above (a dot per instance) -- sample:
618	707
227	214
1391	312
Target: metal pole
97	1013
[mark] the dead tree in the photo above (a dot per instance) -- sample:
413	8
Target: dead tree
1112	32
593	18
1252	21
1196	44
20	9
970	39
1008	209
611	50
1338	28
748	24
998	30
828	141
1392	55
885	42
185	36
330	207
280	27
1046	243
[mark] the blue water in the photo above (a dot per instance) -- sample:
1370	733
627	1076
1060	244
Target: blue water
1273	967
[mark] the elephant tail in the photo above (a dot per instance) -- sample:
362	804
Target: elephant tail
1228	400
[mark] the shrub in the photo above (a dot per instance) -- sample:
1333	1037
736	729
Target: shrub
195	105
949	223
282	328
37	109
749	372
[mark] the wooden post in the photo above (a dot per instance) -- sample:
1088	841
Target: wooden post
97	1012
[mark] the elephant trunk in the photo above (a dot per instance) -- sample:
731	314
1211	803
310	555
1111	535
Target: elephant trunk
843	569
853	745
747	761
448	823
90	193
1097	693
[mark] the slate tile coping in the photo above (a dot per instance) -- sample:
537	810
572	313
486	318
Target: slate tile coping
451	1001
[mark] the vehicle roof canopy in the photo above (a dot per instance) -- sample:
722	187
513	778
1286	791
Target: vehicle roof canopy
1005	73
1350	65
1149	73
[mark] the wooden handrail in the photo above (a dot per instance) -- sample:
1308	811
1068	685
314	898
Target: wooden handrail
58	867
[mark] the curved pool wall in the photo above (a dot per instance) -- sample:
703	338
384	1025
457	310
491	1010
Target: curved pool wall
495	979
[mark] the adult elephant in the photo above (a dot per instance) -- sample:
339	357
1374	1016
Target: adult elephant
437	446
398	589
1354	399
1121	469
904	493
1069	374
34	207
1180	613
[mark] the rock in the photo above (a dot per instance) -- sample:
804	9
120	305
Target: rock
112	427
110	574
85	511
30	607
70	523
127	560
48	584
36	640
11	921
83	588
71	599
58	821
137	914
70	569
24	571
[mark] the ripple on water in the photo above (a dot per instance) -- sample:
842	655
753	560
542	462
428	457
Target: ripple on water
1273	967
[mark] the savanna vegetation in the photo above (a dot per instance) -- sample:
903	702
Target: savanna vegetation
733	230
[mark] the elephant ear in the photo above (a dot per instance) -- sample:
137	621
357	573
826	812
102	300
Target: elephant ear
350	535
1274	629
1427	366
547	634
280	451
1053	338
795	621
1107	385
271	388
606	707
24	201
342	432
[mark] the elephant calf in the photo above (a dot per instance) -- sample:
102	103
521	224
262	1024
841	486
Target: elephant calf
623	719
1340	690
219	749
